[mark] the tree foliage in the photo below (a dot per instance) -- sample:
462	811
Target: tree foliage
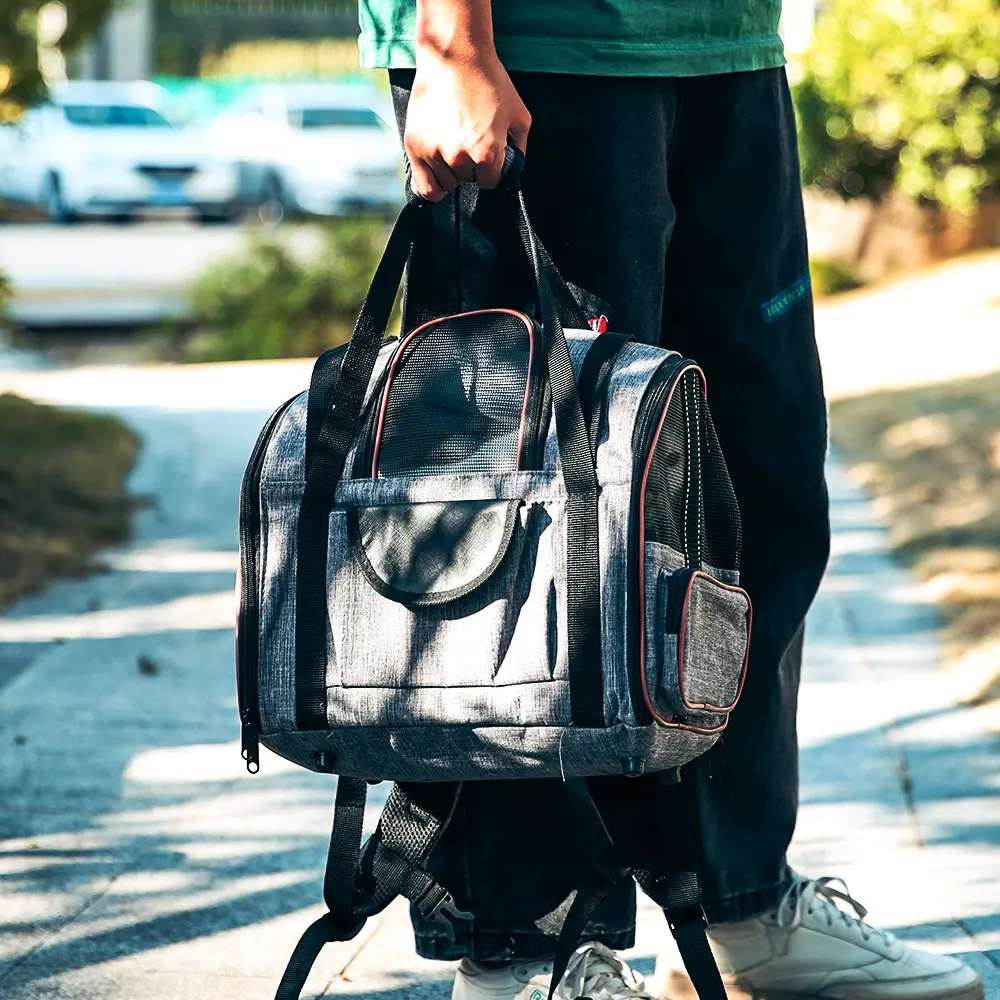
904	95
21	82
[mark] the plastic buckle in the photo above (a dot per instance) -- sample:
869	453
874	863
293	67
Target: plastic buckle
438	904
686	916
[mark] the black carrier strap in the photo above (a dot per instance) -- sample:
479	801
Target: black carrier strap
583	578
337	392
358	885
679	895
327	464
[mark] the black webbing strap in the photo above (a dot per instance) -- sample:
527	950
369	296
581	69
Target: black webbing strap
583	598
327	462
339	922
332	442
358	885
593	379
585	904
679	895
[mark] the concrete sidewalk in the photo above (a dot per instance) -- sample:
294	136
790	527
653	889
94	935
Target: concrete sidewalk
138	859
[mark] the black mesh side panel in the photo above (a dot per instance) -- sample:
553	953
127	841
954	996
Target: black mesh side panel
456	399
667	484
690	504
723	529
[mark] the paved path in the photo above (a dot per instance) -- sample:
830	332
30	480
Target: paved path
137	858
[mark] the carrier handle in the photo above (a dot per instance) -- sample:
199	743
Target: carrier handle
348	387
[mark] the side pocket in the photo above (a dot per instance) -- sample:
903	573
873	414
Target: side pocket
704	638
697	646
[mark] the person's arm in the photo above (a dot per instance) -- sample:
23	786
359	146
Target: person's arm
463	108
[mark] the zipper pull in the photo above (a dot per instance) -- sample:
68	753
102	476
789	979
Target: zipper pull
599	324
251	746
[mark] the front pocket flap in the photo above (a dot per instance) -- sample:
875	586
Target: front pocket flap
713	644
430	553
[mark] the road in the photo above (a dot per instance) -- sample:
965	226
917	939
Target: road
94	275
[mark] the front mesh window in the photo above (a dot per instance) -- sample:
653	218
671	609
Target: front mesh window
456	399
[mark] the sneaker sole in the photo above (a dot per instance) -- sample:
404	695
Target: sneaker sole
679	987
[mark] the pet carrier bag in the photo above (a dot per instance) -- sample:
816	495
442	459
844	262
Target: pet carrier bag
492	548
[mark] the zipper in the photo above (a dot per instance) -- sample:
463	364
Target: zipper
249	622
362	467
647	421
695	512
533	448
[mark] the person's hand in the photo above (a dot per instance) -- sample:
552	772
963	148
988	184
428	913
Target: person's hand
463	111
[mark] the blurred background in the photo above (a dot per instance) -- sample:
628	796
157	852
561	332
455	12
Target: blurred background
193	196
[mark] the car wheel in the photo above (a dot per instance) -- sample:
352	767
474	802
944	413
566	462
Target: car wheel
53	201
271	206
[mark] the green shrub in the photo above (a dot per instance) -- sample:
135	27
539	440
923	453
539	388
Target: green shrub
266	303
831	278
904	95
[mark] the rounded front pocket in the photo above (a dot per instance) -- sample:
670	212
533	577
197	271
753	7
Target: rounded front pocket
696	645
500	632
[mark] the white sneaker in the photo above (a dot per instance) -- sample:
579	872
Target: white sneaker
594	971
809	948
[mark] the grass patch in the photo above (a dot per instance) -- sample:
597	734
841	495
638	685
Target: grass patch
930	456
62	491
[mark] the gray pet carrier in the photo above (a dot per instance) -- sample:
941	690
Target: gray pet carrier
491	549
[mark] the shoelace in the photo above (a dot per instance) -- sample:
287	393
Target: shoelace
595	971
808	895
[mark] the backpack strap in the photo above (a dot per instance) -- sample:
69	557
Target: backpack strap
677	893
357	884
679	896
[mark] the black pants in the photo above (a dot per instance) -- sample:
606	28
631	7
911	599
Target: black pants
674	207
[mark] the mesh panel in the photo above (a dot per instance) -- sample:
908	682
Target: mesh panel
667	484
689	503
456	398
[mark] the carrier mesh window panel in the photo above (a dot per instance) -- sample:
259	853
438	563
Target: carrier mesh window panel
689	503
461	396
667	489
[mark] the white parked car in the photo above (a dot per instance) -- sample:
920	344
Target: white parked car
313	148
101	148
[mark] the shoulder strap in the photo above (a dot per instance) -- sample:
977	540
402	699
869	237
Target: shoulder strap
358	885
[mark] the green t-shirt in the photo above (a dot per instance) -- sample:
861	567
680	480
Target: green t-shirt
601	37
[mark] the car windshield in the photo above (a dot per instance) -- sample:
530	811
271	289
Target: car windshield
104	115
332	117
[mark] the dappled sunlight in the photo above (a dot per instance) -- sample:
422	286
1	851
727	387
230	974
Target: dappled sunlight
197	763
172	559
196	866
184	614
